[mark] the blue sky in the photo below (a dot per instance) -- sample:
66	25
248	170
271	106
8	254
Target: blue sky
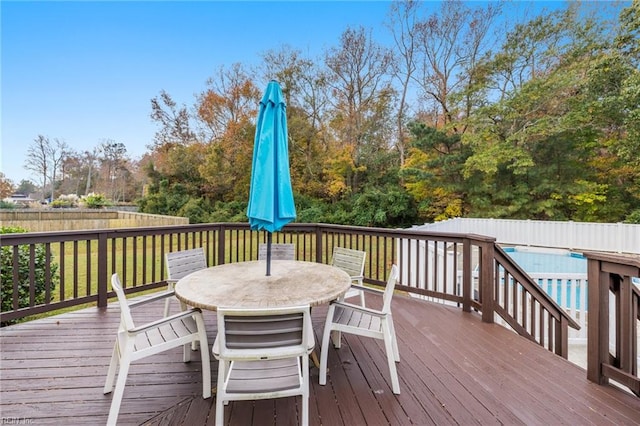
85	71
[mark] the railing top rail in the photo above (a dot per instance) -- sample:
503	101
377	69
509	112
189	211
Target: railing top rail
28	237
548	302
419	233
626	259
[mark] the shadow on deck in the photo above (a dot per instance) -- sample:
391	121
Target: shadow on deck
454	369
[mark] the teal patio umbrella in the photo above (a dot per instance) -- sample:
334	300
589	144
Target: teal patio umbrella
270	196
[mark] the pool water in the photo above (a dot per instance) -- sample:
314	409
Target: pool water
552	261
549	261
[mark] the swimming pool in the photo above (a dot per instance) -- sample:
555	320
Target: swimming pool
543	260
562	274
539	260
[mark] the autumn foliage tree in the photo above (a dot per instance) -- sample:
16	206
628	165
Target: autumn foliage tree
538	120
227	110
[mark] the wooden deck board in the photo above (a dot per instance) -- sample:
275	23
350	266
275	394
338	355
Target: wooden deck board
454	369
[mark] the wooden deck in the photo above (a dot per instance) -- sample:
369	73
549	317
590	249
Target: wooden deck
454	370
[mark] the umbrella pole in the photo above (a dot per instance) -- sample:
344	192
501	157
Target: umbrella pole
269	235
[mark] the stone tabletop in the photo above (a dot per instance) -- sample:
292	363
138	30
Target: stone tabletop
245	285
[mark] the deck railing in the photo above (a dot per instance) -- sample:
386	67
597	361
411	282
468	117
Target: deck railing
434	265
527	308
569	290
613	296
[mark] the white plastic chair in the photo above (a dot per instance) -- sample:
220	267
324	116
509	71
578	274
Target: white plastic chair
352	262
278	252
348	318
180	264
263	354
137	342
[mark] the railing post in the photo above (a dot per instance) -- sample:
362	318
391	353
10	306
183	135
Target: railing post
103	275
625	345
467	287
561	344
598	320
221	244
487	253
611	276
319	244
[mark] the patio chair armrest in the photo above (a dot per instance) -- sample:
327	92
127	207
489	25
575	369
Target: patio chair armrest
359	308
154	298
166	320
367	289
215	349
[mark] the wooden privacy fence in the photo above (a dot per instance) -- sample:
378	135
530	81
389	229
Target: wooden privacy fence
51	220
434	265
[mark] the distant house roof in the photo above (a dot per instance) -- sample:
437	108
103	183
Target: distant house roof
18	198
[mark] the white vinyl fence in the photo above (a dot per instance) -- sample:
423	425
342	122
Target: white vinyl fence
579	236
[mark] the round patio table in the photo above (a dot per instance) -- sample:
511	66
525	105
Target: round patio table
245	285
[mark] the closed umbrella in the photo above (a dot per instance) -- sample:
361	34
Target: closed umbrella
270	196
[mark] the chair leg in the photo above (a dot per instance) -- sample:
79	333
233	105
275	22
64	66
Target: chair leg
324	350
304	421
362	303
392	328
183	307
388	345
168	300
113	366
220	402
116	400
186	352
166	307
336	338
204	357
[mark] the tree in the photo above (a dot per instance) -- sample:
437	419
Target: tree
304	86
361	95
538	120
26	187
174	121
228	110
38	159
45	157
58	152
451	44
114	168
628	38
432	173
90	158
548	148
228	103
6	186
403	26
